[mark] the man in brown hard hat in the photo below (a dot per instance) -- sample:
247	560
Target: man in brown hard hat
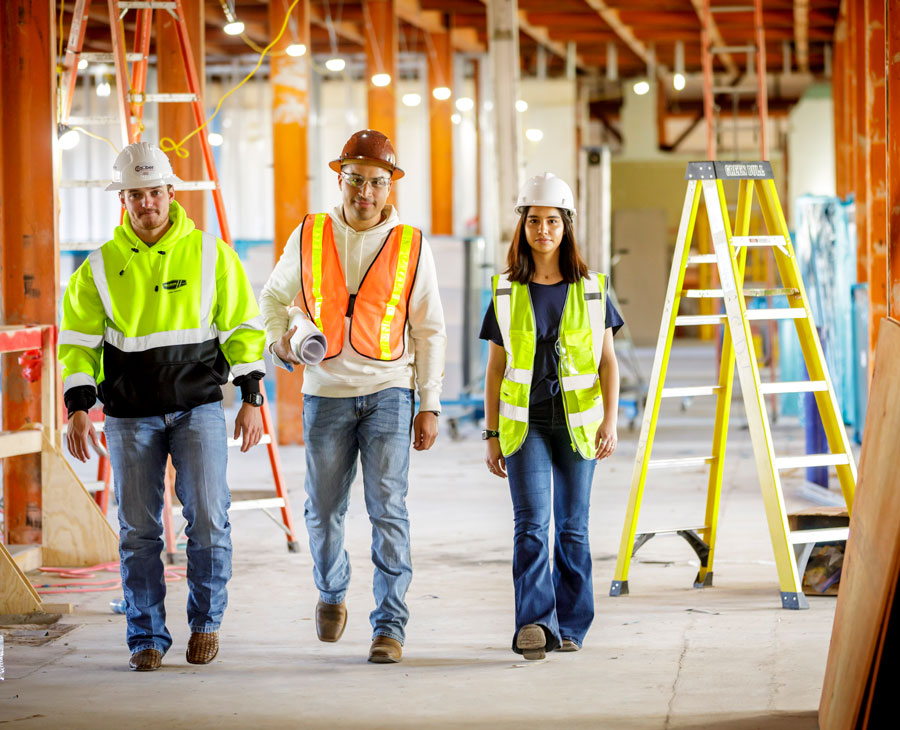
368	282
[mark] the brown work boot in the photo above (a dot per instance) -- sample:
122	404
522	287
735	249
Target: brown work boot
202	648
331	618
532	641
385	650
568	645
145	660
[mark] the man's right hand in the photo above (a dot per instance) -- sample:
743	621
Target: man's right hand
283	349
80	434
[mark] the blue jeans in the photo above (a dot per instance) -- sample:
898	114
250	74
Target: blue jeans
560	600
138	450
377	428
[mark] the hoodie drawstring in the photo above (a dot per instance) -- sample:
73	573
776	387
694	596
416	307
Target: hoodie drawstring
127	263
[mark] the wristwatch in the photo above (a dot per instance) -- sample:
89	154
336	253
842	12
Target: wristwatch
253	399
489	434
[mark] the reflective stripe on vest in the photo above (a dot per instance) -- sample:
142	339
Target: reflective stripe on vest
580	345
379	315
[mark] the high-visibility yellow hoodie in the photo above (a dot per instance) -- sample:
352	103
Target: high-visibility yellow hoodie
153	329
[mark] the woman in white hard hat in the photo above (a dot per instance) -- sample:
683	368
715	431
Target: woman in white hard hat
551	400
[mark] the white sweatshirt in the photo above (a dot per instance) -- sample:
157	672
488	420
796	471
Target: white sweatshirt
350	374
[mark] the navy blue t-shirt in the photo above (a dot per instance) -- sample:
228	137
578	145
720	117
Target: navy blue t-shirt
548	301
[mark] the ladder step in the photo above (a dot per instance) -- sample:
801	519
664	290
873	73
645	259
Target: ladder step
767	292
93	57
735	90
183	186
163	98
733	49
256	504
738	241
674	530
91	121
147	5
679	463
790	462
825	534
80	245
264	439
702	258
689	391
702	293
94	486
687	320
767	314
793	386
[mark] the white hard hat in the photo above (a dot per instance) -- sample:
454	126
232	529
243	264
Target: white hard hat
548	190
142	165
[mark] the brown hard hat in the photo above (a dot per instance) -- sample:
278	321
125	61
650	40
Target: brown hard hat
370	147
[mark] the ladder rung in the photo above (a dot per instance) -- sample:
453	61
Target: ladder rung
256	504
91	121
793	386
825	534
687	320
673	530
147	5
264	439
702	293
790	462
788	313
94	486
735	90
94	57
731	8
702	258
688	391
80	245
766	292
738	241
163	98
679	463
732	49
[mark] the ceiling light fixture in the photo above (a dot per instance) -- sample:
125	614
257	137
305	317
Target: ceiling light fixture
521	105
455	118
104	89
295	50
215	139
412	99
441	93
68	137
233	26
335	64
534	135
465	104
641	87
678	80
381	79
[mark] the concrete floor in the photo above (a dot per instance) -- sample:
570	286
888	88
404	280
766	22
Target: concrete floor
666	656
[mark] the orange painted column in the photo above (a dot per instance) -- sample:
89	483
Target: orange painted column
29	242
838	81
440	73
176	120
290	120
893	158
381	58
858	10
876	169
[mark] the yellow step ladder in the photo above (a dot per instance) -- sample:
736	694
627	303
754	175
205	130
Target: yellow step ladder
791	548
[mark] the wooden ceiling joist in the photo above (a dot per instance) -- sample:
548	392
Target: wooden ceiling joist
801	34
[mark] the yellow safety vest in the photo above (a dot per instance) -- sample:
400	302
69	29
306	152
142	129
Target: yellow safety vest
580	346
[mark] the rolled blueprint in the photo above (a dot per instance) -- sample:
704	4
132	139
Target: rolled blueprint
308	342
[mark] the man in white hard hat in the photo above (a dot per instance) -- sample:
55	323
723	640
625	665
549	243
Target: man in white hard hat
153	323
368	282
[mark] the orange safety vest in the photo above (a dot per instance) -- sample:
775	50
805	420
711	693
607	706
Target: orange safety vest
379	309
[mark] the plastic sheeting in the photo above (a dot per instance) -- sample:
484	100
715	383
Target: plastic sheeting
825	245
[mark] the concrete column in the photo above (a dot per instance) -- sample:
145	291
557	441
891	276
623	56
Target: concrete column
29	242
503	51
177	120
290	79
440	74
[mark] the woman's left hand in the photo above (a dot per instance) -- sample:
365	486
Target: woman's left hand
606	439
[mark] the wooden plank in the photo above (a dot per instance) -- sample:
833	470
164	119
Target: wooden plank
16	443
27	557
75	530
17	595
872	558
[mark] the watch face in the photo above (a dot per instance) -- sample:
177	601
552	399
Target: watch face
254	399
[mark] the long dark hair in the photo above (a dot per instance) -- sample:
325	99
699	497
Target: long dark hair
520	262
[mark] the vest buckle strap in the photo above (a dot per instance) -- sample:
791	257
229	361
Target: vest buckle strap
350	303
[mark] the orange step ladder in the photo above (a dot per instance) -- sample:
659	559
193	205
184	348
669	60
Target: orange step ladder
132	96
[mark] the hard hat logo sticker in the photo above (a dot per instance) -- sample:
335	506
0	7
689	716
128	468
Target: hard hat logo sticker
142	168
174	284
